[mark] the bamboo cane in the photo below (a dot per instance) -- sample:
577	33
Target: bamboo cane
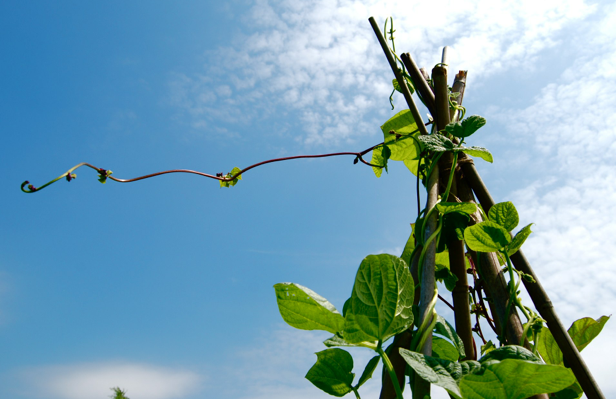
540	299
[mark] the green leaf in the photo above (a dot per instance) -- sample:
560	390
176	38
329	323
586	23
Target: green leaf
454	225
515	379
509	352
378	159
409	84
505	214
382	300
548	348
336	340
332	372
573	391
436	142
582	332
518	240
367	374
443	274
478	152
486	237
443	349
402	123
467	208
487	348
445	329
230	174
432	370
303	308
467	127
409	247
405	149
412	164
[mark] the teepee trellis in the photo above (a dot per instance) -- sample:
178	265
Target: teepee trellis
452	181
436	100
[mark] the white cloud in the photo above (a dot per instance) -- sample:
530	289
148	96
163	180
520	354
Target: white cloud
94	380
568	134
319	60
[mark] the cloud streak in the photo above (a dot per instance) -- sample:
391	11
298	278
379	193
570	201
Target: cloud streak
318	62
94	380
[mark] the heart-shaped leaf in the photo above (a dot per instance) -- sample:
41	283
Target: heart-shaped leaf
382	299
332	372
505	214
486	237
303	308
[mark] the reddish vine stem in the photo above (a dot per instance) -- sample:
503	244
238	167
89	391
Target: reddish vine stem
107	174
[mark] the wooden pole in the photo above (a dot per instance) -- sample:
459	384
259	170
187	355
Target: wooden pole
540	298
399	78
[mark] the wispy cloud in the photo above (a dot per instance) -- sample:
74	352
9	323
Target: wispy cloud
318	62
94	380
569	136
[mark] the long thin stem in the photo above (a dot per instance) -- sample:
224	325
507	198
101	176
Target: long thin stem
219	176
390	370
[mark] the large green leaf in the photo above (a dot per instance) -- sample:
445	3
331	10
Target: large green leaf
332	372
486	237
505	214
582	332
515	379
518	240
443	373
382	299
404	149
303	308
412	164
467	127
402	123
432	370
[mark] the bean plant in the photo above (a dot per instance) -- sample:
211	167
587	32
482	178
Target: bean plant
385	313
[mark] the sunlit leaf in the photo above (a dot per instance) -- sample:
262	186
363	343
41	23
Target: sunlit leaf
332	372
303	308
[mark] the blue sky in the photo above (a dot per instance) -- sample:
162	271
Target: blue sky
164	286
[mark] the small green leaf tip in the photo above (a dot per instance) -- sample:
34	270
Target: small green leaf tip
103	174
229	183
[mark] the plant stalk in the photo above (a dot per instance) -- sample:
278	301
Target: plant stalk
390	369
